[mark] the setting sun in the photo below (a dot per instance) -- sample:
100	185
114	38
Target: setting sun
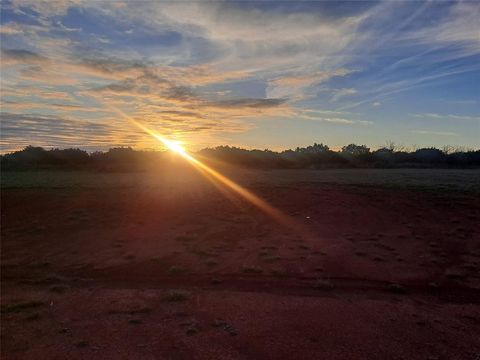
174	146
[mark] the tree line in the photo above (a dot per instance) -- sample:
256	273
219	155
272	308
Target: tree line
316	156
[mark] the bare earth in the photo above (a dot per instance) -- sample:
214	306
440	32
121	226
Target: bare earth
165	266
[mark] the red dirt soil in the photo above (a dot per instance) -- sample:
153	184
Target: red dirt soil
369	273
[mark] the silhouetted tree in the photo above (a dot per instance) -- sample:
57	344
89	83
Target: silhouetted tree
355	150
316	156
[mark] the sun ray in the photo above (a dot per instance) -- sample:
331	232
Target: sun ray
246	194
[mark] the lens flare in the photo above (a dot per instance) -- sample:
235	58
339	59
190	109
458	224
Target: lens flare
253	199
174	146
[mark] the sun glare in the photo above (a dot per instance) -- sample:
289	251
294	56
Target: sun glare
174	146
220	178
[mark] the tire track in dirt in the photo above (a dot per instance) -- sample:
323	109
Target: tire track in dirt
286	285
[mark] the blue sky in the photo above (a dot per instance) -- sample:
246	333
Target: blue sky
253	74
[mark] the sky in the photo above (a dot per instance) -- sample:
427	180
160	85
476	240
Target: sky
260	75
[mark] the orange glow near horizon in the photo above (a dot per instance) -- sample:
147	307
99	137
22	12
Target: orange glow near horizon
217	176
240	190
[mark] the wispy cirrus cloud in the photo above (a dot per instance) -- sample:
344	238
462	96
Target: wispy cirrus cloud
334	117
446	116
340	93
435	133
460	29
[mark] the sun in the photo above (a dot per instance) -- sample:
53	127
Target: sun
174	146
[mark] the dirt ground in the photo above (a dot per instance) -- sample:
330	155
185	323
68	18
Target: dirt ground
179	270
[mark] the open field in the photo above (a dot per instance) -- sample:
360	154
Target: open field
379	264
420	179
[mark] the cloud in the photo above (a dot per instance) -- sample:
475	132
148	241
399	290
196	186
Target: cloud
43	94
124	86
435	133
21	29
250	103
376	104
21	56
447	47
10	30
460	28
386	89
296	86
428	115
446	116
110	65
334	117
46	8
12	105
251	34
165	93
19	130
340	93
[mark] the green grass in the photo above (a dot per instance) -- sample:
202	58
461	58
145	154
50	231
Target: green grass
18	307
419	179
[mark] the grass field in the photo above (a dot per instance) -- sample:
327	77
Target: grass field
431	179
